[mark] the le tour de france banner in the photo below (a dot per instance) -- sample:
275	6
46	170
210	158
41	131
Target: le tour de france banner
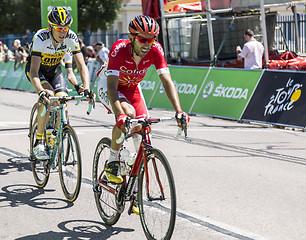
71	5
280	97
226	92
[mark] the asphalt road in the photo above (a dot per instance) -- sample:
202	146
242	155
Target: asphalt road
233	180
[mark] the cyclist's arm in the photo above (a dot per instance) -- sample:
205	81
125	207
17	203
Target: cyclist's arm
82	69
112	94
170	91
34	77
70	75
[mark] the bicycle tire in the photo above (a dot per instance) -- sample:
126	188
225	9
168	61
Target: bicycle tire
157	216
40	169
105	201
33	116
70	164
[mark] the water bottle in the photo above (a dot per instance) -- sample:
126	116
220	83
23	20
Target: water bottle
124	157
48	136
131	161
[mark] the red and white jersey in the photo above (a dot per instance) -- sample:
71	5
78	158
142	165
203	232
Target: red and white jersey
122	64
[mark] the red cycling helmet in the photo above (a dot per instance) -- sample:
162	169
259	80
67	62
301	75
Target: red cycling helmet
145	25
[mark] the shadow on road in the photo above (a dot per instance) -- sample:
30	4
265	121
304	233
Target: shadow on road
16	161
79	229
23	194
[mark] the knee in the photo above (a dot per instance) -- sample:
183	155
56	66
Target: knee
50	92
130	112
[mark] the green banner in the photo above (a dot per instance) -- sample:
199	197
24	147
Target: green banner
149	85
4	70
14	79
187	82
24	83
71	5
226	92
17	79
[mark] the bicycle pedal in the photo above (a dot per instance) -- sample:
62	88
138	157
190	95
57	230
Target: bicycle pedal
135	210
133	207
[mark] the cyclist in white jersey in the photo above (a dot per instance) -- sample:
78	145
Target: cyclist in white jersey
43	69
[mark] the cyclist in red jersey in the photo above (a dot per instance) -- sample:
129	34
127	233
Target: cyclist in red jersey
129	61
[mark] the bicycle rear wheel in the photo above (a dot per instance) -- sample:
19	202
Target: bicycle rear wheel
157	197
105	200
70	164
40	169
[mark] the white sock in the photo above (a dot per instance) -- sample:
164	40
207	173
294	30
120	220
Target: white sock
113	155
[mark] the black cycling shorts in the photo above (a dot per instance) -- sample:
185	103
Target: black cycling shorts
55	78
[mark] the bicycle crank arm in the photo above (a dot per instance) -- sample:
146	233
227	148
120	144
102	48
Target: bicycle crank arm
156	199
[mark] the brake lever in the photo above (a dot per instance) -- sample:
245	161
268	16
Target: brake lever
124	134
181	129
184	124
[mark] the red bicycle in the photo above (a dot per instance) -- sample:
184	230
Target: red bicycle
148	185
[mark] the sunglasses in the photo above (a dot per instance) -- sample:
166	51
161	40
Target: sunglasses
60	29
144	40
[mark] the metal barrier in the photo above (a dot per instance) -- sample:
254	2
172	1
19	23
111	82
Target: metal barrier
287	28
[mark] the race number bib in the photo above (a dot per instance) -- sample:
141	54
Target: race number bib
102	88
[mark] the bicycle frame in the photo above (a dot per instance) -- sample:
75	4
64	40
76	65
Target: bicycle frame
142	154
62	122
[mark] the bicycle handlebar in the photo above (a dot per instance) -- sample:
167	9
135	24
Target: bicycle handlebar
129	121
65	99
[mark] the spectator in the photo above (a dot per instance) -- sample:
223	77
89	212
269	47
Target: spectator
8	54
90	52
252	51
20	54
2	54
27	37
101	52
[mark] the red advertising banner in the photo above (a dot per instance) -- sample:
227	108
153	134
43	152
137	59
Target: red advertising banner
239	4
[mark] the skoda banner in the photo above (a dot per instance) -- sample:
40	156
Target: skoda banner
187	82
226	92
279	98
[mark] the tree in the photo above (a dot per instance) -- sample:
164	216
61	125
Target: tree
18	15
96	14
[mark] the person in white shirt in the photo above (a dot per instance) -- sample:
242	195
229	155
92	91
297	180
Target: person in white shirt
252	51
20	54
101	52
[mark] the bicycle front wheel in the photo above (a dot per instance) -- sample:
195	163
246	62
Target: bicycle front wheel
70	164
40	169
105	200
157	197
33	116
